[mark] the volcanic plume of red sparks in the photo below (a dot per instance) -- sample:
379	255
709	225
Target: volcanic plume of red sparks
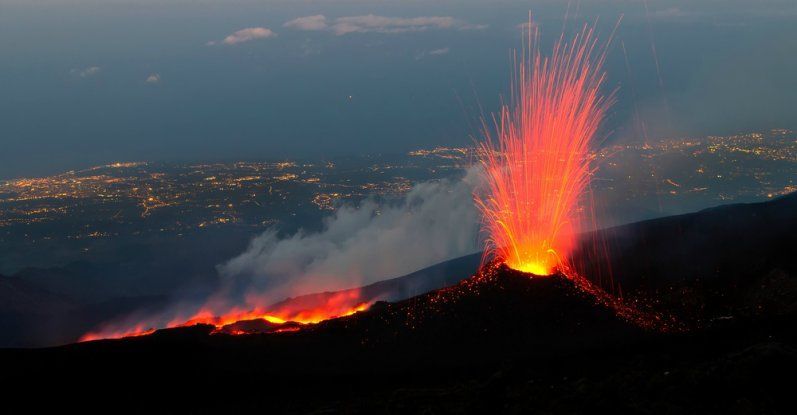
536	161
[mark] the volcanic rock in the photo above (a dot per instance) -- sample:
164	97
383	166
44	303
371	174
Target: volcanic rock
257	326
500	341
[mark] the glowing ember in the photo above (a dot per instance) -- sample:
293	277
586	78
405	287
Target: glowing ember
536	161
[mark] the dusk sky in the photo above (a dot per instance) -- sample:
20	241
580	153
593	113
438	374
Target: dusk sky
86	82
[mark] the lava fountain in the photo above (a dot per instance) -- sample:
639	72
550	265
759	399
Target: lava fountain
536	158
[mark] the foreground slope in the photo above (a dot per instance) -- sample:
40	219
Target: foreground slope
470	327
499	342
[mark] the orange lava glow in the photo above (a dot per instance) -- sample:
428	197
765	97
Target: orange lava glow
314	310
132	332
536	160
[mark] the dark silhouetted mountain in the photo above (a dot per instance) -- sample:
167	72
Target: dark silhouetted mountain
20	296
80	281
710	264
28	313
724	242
497	342
30	316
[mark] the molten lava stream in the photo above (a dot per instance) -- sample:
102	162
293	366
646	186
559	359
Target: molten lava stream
334	307
536	159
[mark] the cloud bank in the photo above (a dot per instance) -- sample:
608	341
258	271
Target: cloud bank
316	22
378	24
246	35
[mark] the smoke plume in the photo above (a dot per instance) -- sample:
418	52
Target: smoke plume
434	222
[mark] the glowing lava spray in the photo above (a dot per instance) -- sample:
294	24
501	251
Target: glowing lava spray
536	160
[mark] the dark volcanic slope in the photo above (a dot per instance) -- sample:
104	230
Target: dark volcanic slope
26	311
731	243
716	263
470	327
498	342
498	312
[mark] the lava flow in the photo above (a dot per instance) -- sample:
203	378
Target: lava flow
536	161
286	316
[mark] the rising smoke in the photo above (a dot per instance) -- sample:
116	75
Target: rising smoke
434	222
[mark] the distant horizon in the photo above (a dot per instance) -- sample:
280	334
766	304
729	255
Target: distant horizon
315	157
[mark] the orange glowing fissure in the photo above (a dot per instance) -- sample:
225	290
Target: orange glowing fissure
304	316
205	316
536	158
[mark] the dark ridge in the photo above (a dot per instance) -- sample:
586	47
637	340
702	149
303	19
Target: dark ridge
705	266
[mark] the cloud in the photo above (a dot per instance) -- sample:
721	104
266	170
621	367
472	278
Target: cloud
379	24
246	35
86	72
316	22
372	23
153	78
436	221
433	52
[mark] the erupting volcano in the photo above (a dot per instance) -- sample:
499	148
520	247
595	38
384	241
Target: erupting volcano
445	280
537	168
536	161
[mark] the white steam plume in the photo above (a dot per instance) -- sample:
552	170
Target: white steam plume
436	221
